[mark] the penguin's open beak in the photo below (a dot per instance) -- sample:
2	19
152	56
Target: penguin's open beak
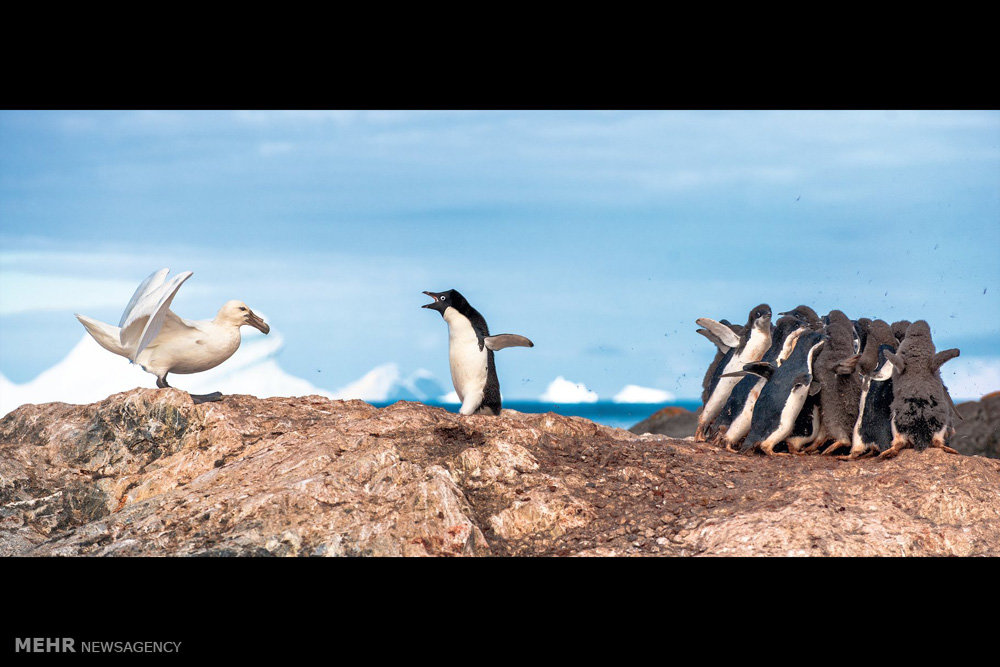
432	303
254	320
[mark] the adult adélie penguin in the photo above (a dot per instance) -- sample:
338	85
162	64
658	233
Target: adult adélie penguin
783	395
733	423
750	346
470	352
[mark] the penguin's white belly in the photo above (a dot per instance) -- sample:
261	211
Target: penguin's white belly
468	366
467	361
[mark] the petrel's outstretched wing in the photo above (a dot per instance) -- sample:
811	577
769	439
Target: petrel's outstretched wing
151	283
145	318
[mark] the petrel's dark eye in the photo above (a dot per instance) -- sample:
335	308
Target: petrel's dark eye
242	308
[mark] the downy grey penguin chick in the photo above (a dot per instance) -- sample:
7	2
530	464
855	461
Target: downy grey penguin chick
899	329
752	345
470	353
840	386
922	415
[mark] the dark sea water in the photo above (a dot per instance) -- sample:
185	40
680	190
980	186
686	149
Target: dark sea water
620	415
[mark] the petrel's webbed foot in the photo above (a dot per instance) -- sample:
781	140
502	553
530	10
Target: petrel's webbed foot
161	382
206	398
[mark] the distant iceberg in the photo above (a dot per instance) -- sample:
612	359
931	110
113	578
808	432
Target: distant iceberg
562	390
633	393
450	397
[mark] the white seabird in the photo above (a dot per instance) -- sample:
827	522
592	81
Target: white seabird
153	336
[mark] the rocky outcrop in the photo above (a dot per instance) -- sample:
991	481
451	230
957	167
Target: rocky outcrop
673	421
978	430
147	472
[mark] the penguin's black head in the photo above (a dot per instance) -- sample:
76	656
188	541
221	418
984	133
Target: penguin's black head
804	314
443	300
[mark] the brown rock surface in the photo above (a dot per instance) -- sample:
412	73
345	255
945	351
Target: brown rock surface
147	472
978	432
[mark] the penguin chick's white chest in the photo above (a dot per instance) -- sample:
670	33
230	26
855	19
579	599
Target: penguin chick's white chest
468	362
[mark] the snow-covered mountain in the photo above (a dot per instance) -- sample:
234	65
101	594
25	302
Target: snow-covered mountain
90	373
386	383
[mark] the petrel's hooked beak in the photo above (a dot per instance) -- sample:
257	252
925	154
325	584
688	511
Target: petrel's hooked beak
254	320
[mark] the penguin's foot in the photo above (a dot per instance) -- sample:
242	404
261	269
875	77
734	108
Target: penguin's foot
899	443
856	453
768	449
834	446
794	448
938	443
811	447
206	398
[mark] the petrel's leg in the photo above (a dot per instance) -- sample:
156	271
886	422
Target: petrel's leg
161	382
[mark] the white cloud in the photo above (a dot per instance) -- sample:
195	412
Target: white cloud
562	390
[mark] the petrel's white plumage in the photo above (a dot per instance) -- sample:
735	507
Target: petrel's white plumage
153	336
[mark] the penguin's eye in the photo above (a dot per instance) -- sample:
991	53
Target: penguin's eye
442	298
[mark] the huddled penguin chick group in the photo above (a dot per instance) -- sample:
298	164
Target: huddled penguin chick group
824	385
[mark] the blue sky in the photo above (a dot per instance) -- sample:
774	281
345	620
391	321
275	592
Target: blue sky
601	235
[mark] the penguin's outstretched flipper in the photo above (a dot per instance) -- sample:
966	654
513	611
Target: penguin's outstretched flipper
764	369
941	357
725	335
500	341
723	348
